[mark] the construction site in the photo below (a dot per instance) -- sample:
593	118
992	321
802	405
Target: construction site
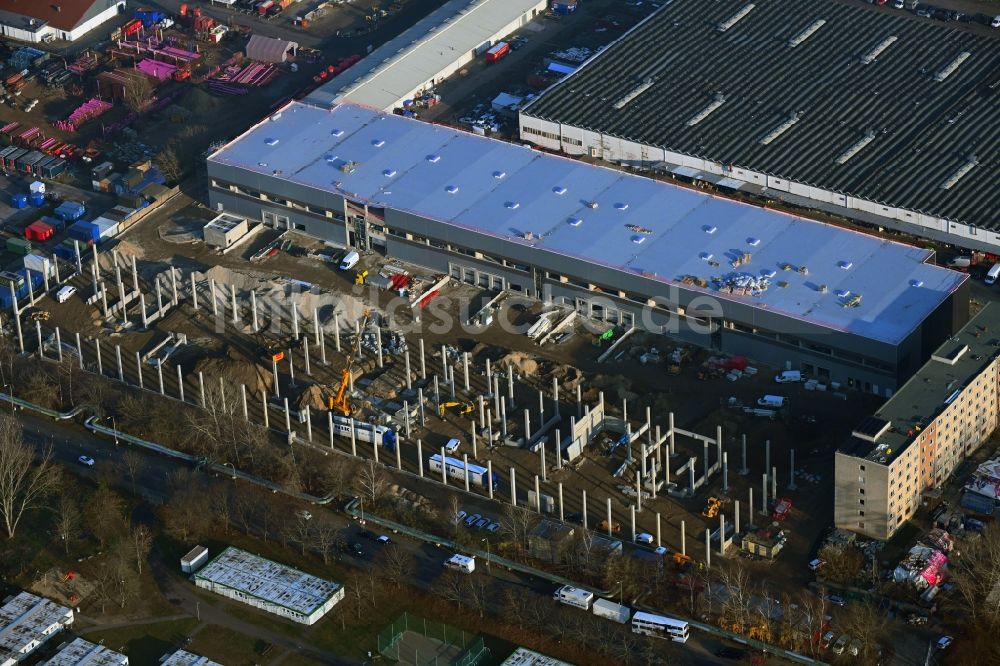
616	429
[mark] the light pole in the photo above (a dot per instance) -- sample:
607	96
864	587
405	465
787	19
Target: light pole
362	509
620	593
11	395
488	555
231	465
115	428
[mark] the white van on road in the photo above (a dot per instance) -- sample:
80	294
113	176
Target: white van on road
65	293
773	401
789	377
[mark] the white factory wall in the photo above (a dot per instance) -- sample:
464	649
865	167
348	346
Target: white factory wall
105	16
553	136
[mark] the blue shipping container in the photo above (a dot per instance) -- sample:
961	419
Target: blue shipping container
19	201
87	232
70	211
38	199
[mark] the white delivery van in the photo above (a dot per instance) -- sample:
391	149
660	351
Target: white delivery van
452	445
574	596
994	273
350	260
65	293
996	22
789	377
772	401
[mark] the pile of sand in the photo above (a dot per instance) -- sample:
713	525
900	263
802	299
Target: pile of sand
129	249
408	498
569	377
236	370
524	364
314	396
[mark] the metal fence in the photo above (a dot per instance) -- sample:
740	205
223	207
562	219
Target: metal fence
421	642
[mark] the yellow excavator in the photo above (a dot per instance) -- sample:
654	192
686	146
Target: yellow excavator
340	402
712	507
462	408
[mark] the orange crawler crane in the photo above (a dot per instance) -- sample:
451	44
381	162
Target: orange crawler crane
340	402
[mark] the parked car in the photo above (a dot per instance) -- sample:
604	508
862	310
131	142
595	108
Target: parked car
827	638
943	642
816	564
460	516
493	527
482	523
836	600
304	514
838	647
383	540
452	445
471	520
644	538
86	460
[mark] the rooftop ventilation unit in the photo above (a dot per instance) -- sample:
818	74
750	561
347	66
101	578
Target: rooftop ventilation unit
433	159
389	173
709	229
349	167
869	57
378	143
512	205
271	142
336	132
499	174
806	33
451	189
856	147
717	100
754	242
638	90
707	256
559	189
638	239
621	206
769	273
735	18
592	204
846	265
575	221
916	283
276	117
780	129
960	173
952	66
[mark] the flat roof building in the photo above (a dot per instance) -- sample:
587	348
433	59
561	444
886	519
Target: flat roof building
428	52
182	658
787	291
38	21
877	116
917	439
524	657
268	585
27	621
84	653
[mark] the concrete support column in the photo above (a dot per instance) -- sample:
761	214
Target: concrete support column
378	346
59	354
288	418
722	534
295	321
159	375
538	495
744	470
100	364
561	513
121	368
763	503
465	370
767	459
267	418
475	447
555	395
584	509
399	455
513	488
683	540
420	457
201	389
558	449
736	519
725	471
142	310
774	483
138	367
309	424
659	541
708	548
423	364
791	476
631	511
527	427
354	439
750	509
670	428
609	524
409	381
180	384
489	475
691	475
541	451
329	427
336	329
243	402
194	295
213	296
79	351
375	451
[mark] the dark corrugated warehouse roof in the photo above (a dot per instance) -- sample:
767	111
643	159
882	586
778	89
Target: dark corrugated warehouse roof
785	90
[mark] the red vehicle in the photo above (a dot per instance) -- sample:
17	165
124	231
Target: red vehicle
782	508
498	51
264	6
132	28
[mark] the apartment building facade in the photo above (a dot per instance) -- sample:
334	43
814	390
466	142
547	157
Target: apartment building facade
918	438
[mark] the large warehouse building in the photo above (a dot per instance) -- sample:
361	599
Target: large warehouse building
885	118
41	20
433	49
917	439
789	292
26	622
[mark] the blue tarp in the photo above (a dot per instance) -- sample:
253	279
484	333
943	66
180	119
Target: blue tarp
70	211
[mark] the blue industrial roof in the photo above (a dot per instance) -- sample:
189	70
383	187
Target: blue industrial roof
599	215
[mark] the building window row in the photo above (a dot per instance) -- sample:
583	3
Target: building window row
538	132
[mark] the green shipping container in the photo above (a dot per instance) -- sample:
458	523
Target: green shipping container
19	246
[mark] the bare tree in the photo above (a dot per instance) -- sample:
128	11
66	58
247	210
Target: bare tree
372	481
737	603
141	542
451	588
106	515
169	163
515	524
221	503
324	538
245	507
399	565
300	531
478	593
133	462
137	92
843	563
24	484
125	582
68	516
